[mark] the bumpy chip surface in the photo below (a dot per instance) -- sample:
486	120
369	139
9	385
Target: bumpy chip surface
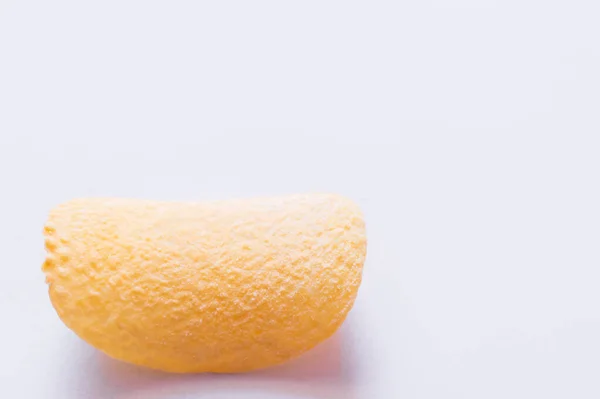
224	286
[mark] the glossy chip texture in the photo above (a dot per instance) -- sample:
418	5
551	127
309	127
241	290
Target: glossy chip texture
223	286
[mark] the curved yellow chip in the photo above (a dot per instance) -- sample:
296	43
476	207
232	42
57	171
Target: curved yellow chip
223	286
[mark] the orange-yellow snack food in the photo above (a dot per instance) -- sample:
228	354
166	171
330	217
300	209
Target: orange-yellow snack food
223	286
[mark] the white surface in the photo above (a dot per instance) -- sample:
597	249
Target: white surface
469	132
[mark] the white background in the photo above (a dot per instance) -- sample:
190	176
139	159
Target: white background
468	131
